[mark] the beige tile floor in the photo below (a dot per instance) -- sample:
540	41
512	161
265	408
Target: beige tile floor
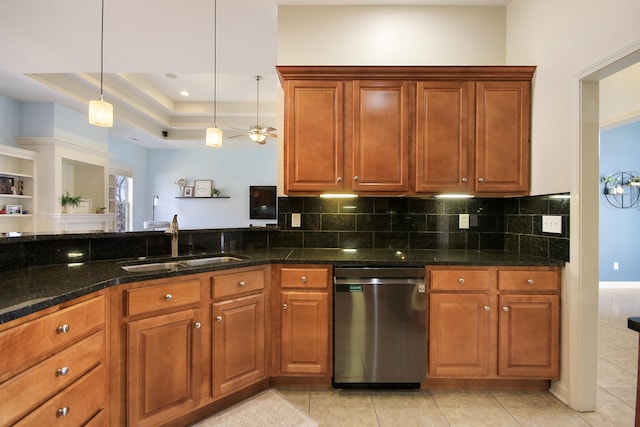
617	365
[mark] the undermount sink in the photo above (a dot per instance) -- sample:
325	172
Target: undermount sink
179	264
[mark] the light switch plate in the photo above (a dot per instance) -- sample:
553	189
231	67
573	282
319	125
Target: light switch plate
463	221
295	220
552	224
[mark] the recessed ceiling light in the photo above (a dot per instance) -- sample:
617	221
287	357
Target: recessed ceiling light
184	93
171	76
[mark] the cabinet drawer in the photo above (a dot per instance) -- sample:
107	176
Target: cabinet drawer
40	336
75	406
238	283
460	280
26	391
315	278
528	280
162	297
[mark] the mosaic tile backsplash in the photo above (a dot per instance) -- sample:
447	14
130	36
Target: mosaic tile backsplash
417	223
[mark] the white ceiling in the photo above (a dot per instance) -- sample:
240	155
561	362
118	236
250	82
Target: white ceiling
50	52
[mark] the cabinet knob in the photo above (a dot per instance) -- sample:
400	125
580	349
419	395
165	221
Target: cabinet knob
63	412
198	325
303	279
356	178
218	318
61	372
63	329
168	297
242	284
530	281
505	308
339	179
486	308
464	179
481	179
461	280
285	306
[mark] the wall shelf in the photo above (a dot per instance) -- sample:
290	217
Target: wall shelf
218	197
620	191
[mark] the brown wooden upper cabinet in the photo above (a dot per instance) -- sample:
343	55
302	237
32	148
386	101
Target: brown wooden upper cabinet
407	130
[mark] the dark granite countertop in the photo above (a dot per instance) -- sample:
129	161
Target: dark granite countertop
32	289
634	323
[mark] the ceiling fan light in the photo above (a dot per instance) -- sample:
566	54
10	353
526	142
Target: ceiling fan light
214	137
257	136
101	113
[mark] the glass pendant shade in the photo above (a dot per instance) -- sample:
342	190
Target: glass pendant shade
214	137
101	113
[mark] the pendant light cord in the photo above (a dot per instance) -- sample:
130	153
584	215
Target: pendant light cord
258	99
215	62
101	48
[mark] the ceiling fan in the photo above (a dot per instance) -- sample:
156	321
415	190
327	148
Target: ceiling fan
258	133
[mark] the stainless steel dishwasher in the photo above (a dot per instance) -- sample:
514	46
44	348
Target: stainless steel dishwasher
379	327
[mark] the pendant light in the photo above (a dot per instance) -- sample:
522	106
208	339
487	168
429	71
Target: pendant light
214	134
100	112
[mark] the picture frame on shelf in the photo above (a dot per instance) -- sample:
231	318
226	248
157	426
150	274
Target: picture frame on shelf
202	187
6	185
14	209
188	191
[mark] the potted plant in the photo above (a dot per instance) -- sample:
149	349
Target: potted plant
215	192
611	183
69	202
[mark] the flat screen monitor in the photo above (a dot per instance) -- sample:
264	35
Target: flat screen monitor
262	201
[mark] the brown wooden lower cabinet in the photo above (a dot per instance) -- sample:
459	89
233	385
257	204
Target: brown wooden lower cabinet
504	323
162	367
53	365
239	343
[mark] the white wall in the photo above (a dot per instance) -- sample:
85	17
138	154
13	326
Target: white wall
568	40
233	169
620	97
391	35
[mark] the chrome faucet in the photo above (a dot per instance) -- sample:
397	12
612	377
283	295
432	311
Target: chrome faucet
173	232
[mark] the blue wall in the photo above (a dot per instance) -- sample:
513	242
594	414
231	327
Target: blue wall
619	228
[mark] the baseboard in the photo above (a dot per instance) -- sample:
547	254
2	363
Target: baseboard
619	285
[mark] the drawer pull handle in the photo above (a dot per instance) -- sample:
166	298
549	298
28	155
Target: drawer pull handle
486	308
461	280
168	297
63	412
198	325
285	306
505	308
242	284
219	319
61	372
63	329
530	281
303	279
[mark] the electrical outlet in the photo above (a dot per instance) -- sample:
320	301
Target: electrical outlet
552	224
463	221
616	266
295	220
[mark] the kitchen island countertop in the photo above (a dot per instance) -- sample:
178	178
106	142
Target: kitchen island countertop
29	290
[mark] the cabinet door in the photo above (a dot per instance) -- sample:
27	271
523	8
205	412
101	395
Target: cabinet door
459	335
304	346
238	349
529	336
502	137
444	137
162	362
314	136
380	153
